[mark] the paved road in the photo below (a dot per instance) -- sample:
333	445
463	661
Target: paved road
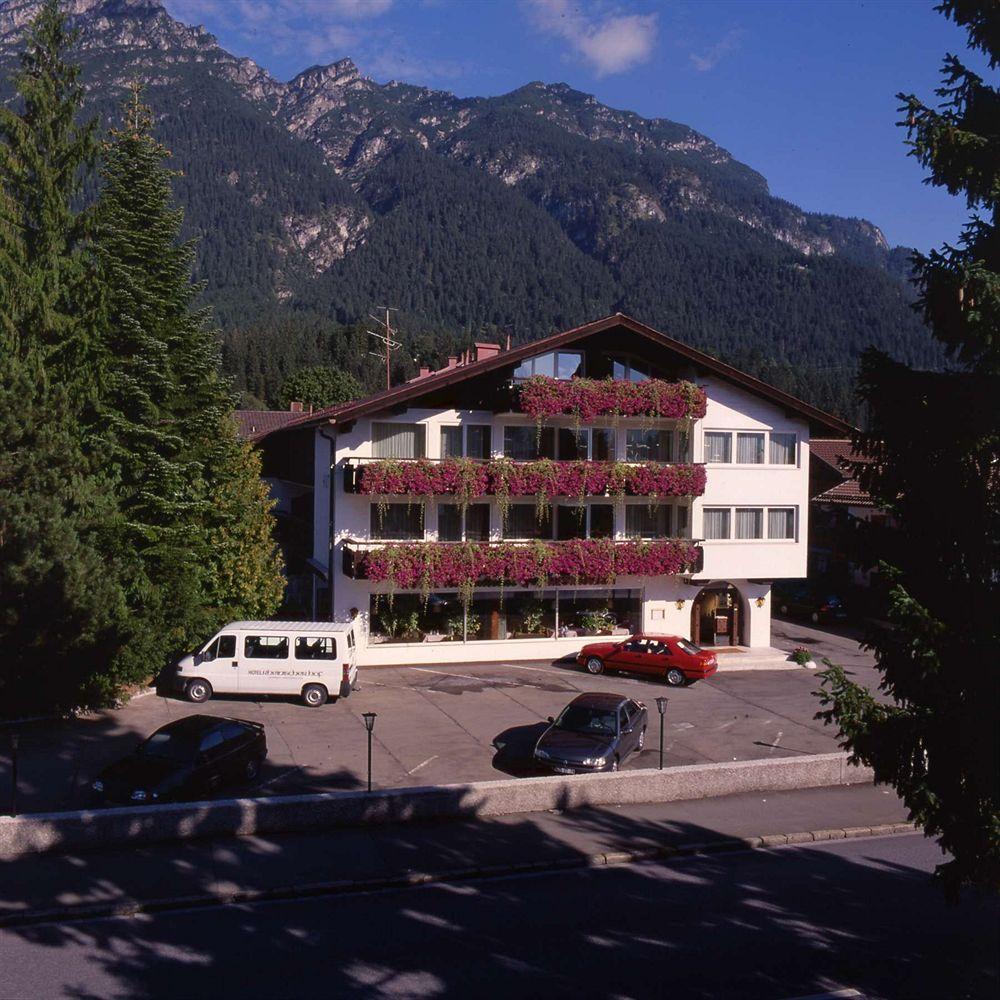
436	725
791	922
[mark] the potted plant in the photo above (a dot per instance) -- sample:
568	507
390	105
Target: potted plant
600	622
531	621
803	657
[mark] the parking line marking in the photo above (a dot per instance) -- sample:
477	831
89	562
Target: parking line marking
423	763
445	673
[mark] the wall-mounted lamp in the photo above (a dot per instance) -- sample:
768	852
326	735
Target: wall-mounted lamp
760	602
680	604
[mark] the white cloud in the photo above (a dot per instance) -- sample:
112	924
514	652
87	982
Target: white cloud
610	43
709	59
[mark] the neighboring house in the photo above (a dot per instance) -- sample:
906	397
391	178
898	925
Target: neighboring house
706	507
839	507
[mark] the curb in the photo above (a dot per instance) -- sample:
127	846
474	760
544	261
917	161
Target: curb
412	880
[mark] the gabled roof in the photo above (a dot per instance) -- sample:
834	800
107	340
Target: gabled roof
837	454
413	390
252	425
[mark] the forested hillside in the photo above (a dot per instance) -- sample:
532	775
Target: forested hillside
317	200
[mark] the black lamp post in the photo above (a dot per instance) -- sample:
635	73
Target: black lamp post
369	718
661	707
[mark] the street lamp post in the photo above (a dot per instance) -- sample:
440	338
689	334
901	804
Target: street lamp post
13	773
661	706
369	718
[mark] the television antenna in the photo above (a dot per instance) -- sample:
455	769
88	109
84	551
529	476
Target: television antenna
385	339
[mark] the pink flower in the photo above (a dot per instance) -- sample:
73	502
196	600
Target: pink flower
542	396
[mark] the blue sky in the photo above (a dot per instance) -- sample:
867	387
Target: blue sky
801	91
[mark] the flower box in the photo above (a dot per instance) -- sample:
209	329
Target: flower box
542	397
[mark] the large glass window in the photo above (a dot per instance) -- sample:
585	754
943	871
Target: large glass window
643	521
683	521
630	368
476	522
524	443
478	441
782	450
451	442
398	521
589	521
648	445
718	446
523	522
715	522
412	618
602	444
557	364
781	522
749	522
573	445
749	448
597	612
390	440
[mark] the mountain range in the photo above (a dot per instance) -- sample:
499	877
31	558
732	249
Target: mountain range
317	199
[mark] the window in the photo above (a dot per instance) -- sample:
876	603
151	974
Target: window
602	444
718	446
558	364
781	522
451	442
472	441
266	647
477	523
320	648
402	521
630	369
590	521
573	445
648	445
522	522
716	522
212	741
478	441
683	521
227	646
782	449
641	521
749	522
683	446
749	449
523	443
233	733
398	440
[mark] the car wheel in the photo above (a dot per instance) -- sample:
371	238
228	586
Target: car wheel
675	678
642	739
814	618
252	771
314	695
595	666
198	691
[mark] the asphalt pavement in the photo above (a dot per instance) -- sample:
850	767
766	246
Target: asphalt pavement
857	918
436	725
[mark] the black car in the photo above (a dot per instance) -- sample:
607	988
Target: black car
816	604
594	732
187	759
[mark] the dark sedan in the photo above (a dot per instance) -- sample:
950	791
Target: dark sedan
818	605
594	732
187	759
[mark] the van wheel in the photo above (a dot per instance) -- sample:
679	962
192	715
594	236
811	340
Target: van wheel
252	771
675	678
198	691
314	695
595	666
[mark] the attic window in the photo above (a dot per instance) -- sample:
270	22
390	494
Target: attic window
630	369
555	364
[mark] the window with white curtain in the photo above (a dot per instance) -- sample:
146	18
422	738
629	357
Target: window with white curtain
391	440
749	448
781	522
718	446
749	522
451	442
715	522
782	449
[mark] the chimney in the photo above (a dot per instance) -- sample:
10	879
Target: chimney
295	407
424	371
453	361
484	351
508	341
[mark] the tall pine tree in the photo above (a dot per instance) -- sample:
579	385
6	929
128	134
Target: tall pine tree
61	607
933	459
197	529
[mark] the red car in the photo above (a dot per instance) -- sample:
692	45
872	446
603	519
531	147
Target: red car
676	660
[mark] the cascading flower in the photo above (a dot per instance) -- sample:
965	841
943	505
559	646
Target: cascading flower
542	397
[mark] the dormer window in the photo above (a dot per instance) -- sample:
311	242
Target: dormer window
629	369
556	364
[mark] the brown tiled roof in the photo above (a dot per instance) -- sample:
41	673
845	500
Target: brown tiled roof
408	391
255	424
837	454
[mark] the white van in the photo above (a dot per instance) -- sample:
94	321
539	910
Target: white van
314	660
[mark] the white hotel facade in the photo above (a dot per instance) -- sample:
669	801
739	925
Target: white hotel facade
746	529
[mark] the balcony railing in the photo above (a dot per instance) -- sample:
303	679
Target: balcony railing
443	565
467	478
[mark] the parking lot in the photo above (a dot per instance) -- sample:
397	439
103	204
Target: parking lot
436	725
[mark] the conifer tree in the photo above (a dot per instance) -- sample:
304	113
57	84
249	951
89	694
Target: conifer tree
932	455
